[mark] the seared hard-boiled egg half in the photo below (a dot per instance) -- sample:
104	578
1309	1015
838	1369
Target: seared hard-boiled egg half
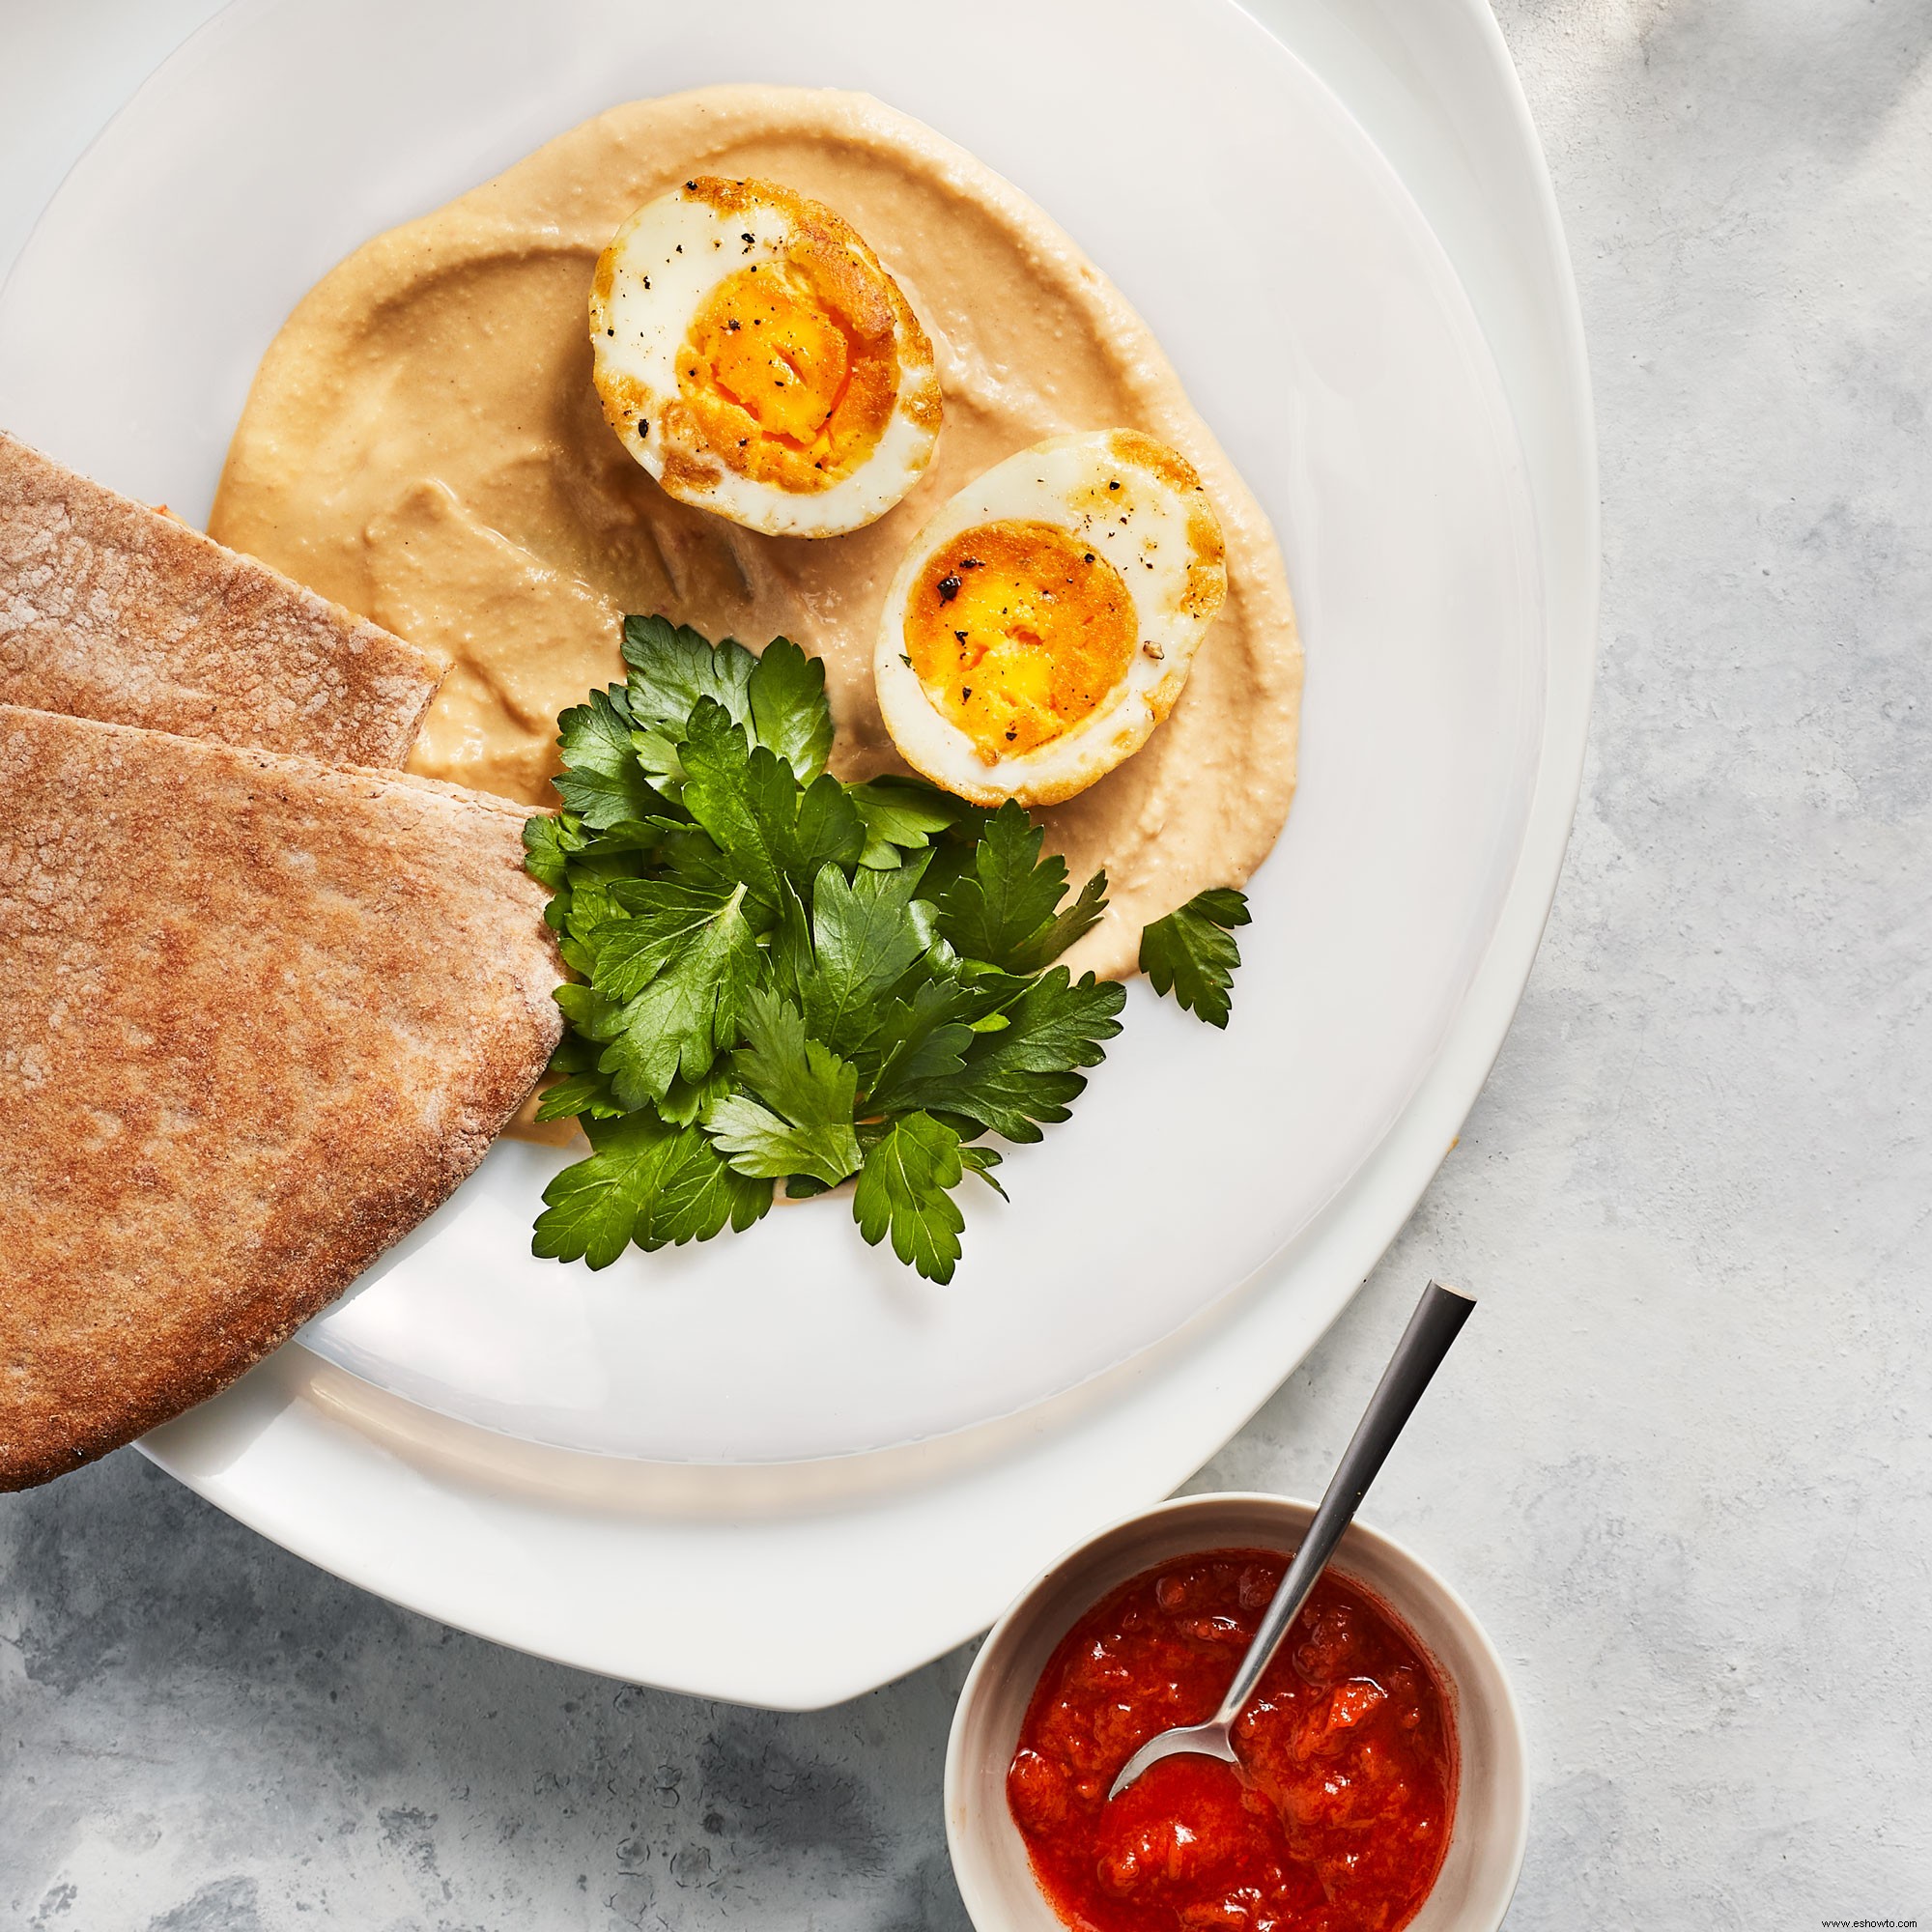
754	356
1045	621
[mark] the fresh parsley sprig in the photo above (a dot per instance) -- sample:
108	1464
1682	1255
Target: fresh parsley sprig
1192	952
781	978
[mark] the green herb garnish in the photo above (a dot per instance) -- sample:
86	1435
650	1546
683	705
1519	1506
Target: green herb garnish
1192	952
782	978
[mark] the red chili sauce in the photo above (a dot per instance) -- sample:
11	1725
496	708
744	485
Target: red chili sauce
1337	1818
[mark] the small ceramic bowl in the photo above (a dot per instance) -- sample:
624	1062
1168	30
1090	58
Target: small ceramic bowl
1486	1843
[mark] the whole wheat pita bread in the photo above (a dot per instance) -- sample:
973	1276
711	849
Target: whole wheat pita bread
258	1018
109	609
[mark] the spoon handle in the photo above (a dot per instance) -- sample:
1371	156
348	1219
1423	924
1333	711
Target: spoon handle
1437	1319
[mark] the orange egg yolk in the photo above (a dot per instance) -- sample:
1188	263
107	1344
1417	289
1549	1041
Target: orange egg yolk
1017	631
790	371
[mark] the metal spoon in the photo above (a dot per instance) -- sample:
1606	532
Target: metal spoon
1437	1319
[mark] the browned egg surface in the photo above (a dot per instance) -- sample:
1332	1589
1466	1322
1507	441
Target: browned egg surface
789	368
1017	631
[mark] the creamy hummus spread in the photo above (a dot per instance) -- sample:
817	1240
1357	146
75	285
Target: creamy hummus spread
424	444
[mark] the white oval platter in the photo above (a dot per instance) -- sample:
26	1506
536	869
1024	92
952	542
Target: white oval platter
597	1469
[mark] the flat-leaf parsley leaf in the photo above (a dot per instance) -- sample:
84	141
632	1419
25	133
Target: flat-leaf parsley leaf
1192	952
906	1190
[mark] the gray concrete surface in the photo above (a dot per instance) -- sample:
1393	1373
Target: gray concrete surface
1684	1475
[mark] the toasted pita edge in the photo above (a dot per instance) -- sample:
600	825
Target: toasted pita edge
272	1317
319	1271
382	736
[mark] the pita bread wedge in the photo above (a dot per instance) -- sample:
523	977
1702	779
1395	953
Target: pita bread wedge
109	609
258	1018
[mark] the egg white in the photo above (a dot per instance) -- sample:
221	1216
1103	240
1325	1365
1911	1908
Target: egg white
663	265
1156	528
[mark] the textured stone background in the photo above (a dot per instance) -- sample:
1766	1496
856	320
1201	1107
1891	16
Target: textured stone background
1686	1478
